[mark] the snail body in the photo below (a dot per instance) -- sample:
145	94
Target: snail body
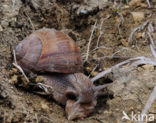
57	59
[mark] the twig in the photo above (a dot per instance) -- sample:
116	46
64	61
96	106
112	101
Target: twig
101	47
90	39
98	40
18	67
33	27
112	57
47	118
36	118
136	61
121	17
151	99
14	53
117	52
13	3
141	27
121	21
44	87
152	45
92	70
149	5
150	28
99	87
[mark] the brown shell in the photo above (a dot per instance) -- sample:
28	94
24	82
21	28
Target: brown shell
48	50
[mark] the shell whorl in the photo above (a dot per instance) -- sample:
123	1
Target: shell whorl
48	50
28	52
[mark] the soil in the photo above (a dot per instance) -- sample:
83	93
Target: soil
132	85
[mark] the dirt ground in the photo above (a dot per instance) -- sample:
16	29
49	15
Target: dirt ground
111	43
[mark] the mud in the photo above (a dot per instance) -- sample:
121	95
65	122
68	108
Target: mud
132	86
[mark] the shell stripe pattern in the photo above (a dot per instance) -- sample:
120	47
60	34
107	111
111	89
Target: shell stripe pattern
59	53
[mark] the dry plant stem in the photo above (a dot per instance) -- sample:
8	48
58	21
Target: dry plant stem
152	45
121	21
149	5
47	118
14	53
33	27
13	3
134	62
92	70
90	39
151	99
150	28
112	57
18	67
44	87
98	40
98	88
141	27
36	117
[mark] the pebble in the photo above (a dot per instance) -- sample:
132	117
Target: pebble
38	79
148	67
124	42
140	35
138	16
14	79
24	82
135	2
94	73
44	106
13	71
88	69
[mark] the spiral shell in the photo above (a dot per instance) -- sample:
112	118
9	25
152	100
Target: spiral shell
48	50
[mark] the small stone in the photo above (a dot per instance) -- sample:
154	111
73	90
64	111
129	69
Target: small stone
154	36
38	79
139	69
94	73
14	70
44	106
139	107
131	108
14	79
124	42
88	69
126	7
117	109
4	23
143	5
124	13
148	67
138	16
135	2
107	112
24	82
95	56
140	35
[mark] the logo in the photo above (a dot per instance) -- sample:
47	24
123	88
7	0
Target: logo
137	117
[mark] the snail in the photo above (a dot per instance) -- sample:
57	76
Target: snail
57	59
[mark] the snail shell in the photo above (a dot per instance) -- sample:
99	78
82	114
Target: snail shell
48	50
